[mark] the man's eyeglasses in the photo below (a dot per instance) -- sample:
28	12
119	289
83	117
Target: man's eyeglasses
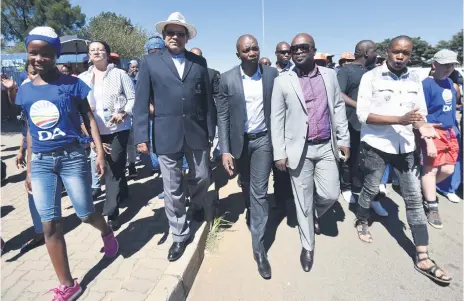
305	48
284	52
171	33
248	49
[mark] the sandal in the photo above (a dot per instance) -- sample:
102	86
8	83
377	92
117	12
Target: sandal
363	229
432	271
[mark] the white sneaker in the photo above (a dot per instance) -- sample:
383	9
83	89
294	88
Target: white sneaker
383	189
348	196
452	197
379	209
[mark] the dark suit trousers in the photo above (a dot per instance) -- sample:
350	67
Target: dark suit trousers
115	173
350	174
254	167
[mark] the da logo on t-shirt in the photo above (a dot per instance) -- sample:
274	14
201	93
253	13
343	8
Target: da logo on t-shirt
448	98
44	114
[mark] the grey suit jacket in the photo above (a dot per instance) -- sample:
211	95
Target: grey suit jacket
231	108
289	117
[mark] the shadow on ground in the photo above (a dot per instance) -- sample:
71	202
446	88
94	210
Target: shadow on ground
70	223
11	148
15	178
392	224
5	210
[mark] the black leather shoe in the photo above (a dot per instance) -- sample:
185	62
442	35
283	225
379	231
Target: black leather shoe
96	192
307	259
177	250
264	268
198	215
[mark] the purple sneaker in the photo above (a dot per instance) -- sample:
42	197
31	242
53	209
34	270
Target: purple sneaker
110	245
65	293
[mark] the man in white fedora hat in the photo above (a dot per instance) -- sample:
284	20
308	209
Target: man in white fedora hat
184	120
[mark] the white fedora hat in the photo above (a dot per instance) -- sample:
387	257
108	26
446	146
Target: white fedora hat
177	19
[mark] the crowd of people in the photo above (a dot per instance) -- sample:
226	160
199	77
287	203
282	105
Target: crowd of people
321	131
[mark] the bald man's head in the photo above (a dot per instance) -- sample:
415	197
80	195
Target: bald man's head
283	54
397	39
362	47
282	45
197	51
366	49
265	61
248	49
244	38
304	38
303	49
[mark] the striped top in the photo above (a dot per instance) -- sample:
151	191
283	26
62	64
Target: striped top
115	95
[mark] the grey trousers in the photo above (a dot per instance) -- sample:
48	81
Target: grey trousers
198	182
254	167
317	169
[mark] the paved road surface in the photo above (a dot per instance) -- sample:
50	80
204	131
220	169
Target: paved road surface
143	238
345	269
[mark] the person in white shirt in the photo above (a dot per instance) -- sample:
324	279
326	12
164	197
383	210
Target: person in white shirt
390	106
244	107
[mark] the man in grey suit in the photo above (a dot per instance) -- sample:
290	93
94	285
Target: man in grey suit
244	107
309	128
183	124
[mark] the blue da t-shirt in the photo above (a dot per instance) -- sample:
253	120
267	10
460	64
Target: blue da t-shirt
440	97
52	112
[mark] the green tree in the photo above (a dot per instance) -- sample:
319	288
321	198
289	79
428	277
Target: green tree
20	16
16	48
455	44
124	38
421	52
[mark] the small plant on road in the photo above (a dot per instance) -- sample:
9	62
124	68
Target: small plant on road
215	232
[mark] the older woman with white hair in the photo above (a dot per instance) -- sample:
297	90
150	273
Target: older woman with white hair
111	99
133	70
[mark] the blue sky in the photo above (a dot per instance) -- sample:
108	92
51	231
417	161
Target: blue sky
335	25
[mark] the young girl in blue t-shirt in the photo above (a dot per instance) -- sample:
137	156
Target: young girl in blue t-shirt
54	103
439	154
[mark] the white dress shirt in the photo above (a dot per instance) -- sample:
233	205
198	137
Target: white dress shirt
381	92
179	62
253	90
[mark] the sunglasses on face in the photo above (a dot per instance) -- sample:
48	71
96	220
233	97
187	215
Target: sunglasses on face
305	48
171	33
284	52
248	49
